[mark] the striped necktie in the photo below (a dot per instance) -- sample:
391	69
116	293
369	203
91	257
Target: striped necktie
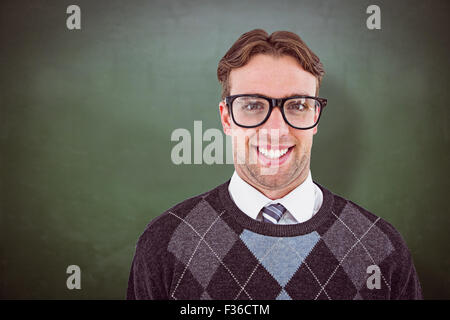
273	212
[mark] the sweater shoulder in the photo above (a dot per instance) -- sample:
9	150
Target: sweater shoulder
387	228
381	244
380	229
160	229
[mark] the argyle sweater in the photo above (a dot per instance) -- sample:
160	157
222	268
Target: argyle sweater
206	248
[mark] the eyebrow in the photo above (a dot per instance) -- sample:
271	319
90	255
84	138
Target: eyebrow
300	93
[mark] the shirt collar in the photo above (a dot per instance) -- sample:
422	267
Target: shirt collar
299	202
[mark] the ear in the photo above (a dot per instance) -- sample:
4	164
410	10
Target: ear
315	130
225	118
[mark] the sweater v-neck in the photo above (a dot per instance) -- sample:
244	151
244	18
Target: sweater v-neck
276	230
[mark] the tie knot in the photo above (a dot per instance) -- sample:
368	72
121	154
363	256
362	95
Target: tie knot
273	212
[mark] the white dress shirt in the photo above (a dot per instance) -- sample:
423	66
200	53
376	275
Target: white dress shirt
301	203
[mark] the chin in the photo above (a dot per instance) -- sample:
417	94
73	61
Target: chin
275	181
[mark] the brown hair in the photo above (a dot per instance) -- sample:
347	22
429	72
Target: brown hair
277	44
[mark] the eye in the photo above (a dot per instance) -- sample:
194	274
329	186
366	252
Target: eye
252	107
296	106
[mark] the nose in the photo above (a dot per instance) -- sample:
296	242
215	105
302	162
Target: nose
276	122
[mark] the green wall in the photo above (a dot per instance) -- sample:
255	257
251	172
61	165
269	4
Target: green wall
86	118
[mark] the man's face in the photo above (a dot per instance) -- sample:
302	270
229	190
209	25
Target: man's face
275	77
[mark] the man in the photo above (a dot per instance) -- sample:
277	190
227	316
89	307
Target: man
270	232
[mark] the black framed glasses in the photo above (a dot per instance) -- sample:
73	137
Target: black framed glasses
252	110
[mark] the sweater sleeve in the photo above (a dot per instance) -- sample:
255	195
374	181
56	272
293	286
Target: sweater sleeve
409	288
150	273
141	283
405	281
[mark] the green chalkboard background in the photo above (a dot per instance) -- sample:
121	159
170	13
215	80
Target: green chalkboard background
86	118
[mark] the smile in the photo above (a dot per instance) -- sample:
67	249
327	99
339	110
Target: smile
273	154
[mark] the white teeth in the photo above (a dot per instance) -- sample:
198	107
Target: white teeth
273	154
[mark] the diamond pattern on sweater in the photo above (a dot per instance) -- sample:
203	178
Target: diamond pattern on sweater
248	276
337	265
188	288
357	243
283	296
195	243
314	273
376	242
205	296
281	257
355	265
318	266
358	297
259	286
207	257
276	260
